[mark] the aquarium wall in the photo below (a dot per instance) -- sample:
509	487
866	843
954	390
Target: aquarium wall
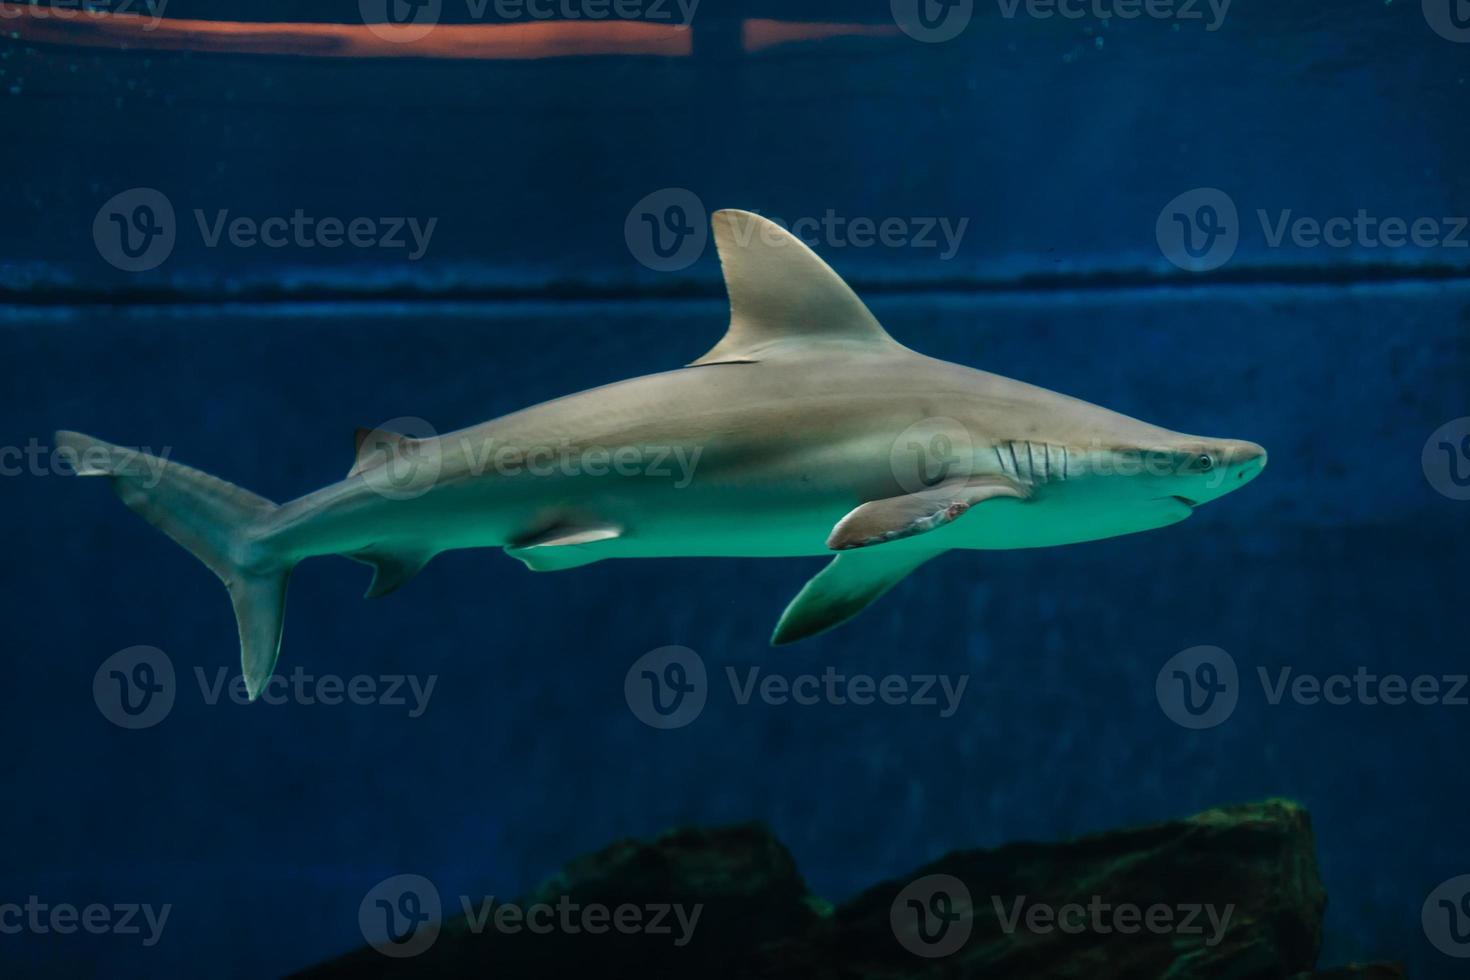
234	237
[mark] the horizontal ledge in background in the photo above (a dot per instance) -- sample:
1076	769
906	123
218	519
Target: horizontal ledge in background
357	288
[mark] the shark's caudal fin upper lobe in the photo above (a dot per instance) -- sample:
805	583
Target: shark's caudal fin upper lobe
217	522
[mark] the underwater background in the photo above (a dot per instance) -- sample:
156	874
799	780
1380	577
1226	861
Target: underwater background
1103	205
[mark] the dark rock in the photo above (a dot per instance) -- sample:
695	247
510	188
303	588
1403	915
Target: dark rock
1229	894
1254	862
1358	971
742	881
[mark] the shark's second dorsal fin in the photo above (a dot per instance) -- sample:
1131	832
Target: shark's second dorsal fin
371	447
782	293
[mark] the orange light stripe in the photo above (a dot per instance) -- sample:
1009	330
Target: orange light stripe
518	42
758	34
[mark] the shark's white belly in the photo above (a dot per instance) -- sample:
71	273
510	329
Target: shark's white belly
763	515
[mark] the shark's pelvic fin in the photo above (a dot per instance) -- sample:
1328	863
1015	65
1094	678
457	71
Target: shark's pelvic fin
782	293
563	546
391	569
218	522
880	521
848	585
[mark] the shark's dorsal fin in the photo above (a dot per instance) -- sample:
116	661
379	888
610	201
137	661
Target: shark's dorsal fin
782	294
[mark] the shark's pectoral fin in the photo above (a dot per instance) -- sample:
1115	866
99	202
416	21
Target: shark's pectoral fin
847	586
390	568
563	546
880	521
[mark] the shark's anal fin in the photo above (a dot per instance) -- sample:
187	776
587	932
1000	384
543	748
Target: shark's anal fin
848	585
390	568
880	521
563	546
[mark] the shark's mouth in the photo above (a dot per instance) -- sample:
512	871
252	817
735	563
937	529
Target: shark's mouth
1185	501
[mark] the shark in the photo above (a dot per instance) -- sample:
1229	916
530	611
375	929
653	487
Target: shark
806	430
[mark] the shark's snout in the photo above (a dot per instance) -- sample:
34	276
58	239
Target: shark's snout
1247	460
1237	463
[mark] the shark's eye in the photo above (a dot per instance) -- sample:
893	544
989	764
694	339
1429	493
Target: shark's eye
1203	463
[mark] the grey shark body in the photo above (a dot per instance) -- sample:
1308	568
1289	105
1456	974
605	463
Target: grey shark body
806	431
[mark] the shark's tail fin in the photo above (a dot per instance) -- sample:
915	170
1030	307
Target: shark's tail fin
217	522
